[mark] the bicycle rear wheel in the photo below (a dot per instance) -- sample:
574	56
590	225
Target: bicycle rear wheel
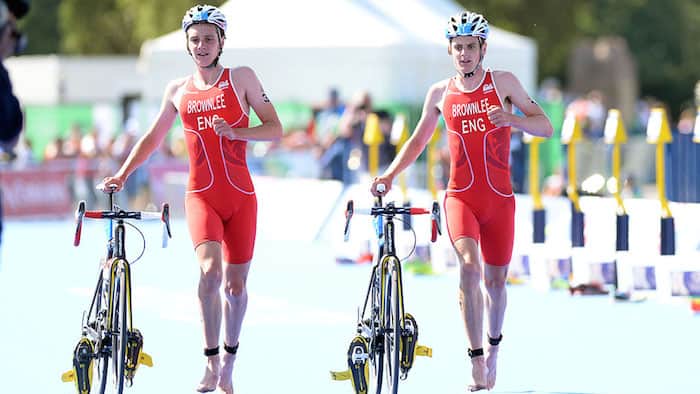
377	339
100	369
118	327
392	324
102	340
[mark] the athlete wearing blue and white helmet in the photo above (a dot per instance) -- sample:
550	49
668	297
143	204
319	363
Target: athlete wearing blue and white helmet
206	14
214	104
476	106
468	24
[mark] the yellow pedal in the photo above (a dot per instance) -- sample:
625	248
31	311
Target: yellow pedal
424	351
342	375
145	359
68	376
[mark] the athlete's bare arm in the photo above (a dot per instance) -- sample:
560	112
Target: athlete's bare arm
534	122
418	140
152	139
252	95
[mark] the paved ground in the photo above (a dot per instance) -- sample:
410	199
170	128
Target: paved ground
301	317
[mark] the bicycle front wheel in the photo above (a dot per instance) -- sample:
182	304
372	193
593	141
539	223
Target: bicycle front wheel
392	323
100	368
118	327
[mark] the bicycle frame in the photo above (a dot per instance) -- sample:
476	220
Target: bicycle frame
382	320
108	323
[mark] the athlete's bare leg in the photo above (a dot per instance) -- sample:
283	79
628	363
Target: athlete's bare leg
495	283
209	257
235	277
472	305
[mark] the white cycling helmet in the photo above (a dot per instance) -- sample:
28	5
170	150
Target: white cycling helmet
204	14
467	23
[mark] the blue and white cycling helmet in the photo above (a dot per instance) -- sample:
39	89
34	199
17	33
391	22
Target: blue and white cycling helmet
467	23
204	14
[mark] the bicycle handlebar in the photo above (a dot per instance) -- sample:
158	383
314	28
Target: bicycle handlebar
162	215
390	210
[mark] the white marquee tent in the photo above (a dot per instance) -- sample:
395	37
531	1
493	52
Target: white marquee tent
395	49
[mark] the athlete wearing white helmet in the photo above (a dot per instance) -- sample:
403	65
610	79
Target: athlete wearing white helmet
214	104
477	106
210	15
469	24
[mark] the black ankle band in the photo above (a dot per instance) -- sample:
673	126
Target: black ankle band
231	349
211	352
475	352
495	341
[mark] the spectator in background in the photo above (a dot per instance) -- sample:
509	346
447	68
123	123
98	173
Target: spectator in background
596	114
551	150
351	129
686	121
387	150
137	182
86	165
330	147
11	43
590	113
518	156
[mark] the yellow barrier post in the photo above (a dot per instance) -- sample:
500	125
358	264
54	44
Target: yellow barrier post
571	135
616	135
659	133
373	138
399	136
432	160
538	213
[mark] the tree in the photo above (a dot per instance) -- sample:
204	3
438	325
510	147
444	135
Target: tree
117	26
41	27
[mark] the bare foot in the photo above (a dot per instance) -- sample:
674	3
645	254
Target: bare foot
491	359
226	375
211	375
478	374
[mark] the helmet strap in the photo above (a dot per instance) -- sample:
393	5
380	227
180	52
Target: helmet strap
214	63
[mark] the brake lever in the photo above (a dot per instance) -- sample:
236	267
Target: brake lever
79	215
436	221
165	218
349	210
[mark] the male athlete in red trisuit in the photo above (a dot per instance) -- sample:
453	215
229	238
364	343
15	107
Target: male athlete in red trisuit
477	105
221	207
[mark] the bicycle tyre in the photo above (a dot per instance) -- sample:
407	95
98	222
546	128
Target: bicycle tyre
392	325
119	326
100	365
100	370
377	342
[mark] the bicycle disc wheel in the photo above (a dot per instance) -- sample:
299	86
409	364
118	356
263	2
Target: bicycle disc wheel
119	328
392	326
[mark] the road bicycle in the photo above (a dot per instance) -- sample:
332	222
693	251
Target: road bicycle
108	331
386	341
